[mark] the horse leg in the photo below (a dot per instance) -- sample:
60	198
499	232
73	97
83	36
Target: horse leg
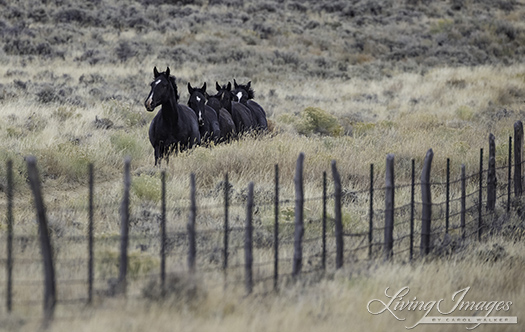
157	155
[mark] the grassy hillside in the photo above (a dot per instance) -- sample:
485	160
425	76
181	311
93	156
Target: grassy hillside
344	80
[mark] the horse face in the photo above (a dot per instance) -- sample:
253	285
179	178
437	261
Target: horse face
226	99
160	92
197	103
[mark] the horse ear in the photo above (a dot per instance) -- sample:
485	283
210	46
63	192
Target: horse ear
190	89
229	87
235	85
155	72
217	86
204	87
168	71
249	84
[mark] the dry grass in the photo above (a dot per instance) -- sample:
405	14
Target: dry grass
397	77
336	302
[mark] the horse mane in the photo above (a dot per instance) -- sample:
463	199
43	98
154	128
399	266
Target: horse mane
248	89
220	90
172	79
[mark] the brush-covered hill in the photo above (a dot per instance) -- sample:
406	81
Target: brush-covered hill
257	40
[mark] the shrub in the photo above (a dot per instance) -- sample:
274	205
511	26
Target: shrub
465	113
107	263
180	289
125	51
125	144
64	113
120	111
67	160
77	15
317	121
16	46
47	95
146	187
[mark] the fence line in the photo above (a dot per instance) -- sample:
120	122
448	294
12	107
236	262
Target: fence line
292	249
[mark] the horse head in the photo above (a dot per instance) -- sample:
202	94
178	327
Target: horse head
242	92
162	89
197	101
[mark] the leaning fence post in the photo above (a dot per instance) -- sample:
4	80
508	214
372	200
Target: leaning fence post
45	240
299	215
491	175
518	148
9	295
163	233
90	234
124	230
426	199
338	219
389	207
276	231
463	200
248	242
192	250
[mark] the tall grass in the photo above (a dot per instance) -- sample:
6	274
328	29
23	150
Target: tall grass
345	81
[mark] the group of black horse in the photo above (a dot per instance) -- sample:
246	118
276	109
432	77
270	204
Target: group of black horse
208	119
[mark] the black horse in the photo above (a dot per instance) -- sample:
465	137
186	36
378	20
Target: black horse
244	94
175	126
206	115
241	115
226	124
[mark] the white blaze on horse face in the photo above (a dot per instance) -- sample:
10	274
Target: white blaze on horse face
239	96
150	99
198	98
200	115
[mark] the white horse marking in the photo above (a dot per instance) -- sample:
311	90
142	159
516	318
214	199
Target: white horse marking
239	96
198	98
150	99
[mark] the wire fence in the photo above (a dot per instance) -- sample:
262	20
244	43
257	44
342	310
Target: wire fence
260	243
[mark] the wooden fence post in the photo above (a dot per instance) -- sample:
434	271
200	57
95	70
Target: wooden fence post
276	231
163	233
192	247
480	195
463	200
338	218
509	178
491	175
371	213
518	148
91	272
124	230
226	225
248	242
9	266
447	202
45	241
426	199
323	229
299	217
412	207
389	207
